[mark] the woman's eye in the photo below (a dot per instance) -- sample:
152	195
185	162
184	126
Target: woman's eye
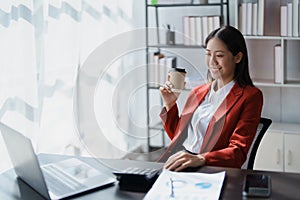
220	55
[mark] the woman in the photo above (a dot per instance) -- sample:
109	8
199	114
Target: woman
219	120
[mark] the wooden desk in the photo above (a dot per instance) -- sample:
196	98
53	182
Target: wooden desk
284	185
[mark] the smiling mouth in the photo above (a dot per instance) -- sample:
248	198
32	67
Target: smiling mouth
214	68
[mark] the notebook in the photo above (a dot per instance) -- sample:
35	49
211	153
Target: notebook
55	180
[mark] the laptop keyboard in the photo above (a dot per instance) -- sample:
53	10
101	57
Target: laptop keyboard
58	182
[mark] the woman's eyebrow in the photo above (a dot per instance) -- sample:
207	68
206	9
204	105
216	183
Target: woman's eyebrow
217	51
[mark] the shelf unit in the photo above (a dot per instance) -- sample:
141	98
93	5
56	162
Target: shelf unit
223	8
262	69
280	98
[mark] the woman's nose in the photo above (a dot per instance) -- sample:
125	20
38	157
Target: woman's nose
212	61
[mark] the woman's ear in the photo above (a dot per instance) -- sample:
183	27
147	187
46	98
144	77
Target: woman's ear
238	57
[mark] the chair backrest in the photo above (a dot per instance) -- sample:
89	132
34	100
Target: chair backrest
263	126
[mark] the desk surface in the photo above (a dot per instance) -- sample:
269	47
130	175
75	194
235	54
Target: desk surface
284	185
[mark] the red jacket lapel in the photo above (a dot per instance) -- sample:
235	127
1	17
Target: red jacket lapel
212	135
194	99
191	105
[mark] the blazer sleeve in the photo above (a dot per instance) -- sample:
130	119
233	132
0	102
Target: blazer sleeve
235	154
170	120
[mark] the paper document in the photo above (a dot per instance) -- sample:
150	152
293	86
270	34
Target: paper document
186	185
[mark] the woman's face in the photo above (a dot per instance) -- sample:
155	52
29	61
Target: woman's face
220	61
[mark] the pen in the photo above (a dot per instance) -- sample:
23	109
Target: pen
172	195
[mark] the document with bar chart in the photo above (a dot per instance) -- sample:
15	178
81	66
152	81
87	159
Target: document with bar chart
186	185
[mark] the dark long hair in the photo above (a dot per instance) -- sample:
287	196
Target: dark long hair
235	43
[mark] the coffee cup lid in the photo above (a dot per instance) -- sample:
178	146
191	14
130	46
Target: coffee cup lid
176	69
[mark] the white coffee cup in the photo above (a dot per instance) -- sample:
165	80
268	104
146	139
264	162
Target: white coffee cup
177	79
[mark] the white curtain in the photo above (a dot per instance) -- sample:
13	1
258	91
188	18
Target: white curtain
43	45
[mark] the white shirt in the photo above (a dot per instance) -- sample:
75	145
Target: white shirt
202	116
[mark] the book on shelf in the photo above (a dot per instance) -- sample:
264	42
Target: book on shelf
192	31
254	19
171	62
150	68
290	19
238	20
278	64
162	72
243	18
296	18
154	68
197	28
260	17
251	17
158	67
283	20
166	64
199	39
186	30
210	24
217	21
204	27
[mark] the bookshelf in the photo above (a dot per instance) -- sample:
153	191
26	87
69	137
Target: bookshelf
277	74
156	41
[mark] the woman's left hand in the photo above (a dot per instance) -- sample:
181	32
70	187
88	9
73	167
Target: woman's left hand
182	160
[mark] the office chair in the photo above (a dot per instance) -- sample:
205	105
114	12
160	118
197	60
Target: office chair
263	126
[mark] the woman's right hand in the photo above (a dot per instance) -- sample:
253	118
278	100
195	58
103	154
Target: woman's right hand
168	96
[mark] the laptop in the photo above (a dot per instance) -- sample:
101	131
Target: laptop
55	180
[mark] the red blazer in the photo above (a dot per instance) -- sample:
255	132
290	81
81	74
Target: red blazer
231	130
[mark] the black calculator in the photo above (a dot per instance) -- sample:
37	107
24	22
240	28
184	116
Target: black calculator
137	179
